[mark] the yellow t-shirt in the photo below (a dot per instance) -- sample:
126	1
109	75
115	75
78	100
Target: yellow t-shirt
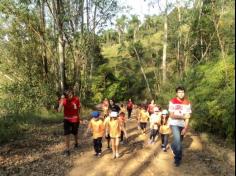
143	116
106	120
97	128
137	112
122	110
114	128
165	129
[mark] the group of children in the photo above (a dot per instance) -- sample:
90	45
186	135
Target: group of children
112	125
159	123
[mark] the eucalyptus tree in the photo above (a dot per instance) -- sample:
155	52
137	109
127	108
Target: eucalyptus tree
134	24
121	24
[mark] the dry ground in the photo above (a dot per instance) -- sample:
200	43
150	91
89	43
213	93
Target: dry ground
40	154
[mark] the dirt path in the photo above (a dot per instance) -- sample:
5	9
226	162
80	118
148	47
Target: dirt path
42	156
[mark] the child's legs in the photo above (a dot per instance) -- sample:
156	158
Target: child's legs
117	145
108	140
95	145
99	143
155	131
162	139
151	134
113	145
166	136
122	136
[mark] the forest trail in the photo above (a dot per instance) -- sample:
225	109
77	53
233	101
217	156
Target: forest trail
42	156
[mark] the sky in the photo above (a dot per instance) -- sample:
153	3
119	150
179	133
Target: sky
141	7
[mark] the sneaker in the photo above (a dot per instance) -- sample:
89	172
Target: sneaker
164	149
162	146
114	156
177	164
117	155
99	154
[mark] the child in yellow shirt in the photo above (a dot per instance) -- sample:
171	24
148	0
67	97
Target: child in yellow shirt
143	119
97	127
114	128
107	136
122	119
164	129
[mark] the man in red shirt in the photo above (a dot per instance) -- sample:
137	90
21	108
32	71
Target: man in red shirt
150	108
180	112
129	108
71	106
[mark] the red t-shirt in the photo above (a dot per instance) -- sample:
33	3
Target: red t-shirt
129	105
71	108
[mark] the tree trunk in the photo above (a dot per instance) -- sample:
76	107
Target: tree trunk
61	62
87	11
44	48
164	48
94	32
61	45
142	70
179	60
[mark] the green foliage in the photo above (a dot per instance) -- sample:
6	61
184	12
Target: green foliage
212	97
23	97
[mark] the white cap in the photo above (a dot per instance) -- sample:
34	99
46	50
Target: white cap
113	114
164	112
156	109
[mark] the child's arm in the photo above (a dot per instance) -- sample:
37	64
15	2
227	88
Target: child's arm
106	128
123	129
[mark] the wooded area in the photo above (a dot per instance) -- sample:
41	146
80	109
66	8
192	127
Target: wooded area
47	46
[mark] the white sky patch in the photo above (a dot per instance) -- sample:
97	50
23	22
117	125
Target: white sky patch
144	7
141	8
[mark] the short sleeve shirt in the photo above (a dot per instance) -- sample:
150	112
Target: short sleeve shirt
71	107
179	107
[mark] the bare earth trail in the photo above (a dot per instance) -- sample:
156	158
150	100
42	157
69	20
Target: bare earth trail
42	156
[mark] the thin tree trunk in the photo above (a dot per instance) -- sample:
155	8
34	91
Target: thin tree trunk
142	70
87	11
61	46
42	33
94	31
221	43
179	60
164	47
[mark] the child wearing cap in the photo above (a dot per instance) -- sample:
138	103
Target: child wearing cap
114	128
155	121
164	129
97	127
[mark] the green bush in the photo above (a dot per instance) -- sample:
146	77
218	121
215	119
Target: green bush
212	94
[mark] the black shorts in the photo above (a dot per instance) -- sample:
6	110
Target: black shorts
143	125
108	137
70	127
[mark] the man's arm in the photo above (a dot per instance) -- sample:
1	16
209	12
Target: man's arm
186	125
